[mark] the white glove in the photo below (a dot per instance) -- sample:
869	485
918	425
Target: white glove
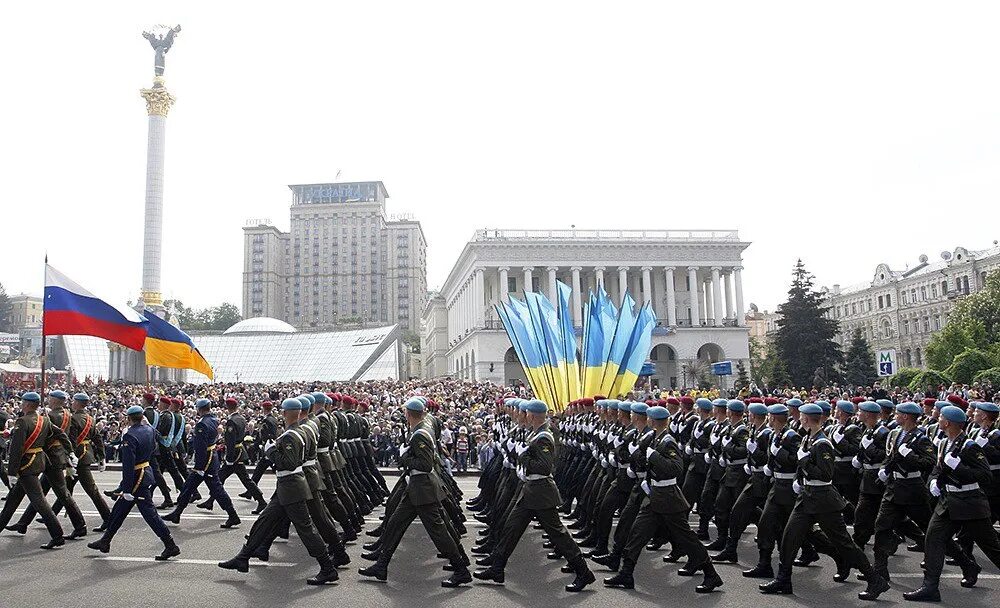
645	487
510	445
746	469
751	445
708	458
803	453
630	473
883	475
688	450
268	444
982	440
935	490
128	497
796	486
73	460
604	462
698	432
649	452
866	441
952	461
618	442
612	460
523	447
768	471
101	466
726	441
904	450
856	463
774	449
722	461
199	472
13	480
632	447
593	451
521	475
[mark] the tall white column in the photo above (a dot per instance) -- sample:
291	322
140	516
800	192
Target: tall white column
553	294
709	301
480	298
622	282
599	277
740	311
727	282
503	296
577	309
527	277
695	288
671	298
158	102
647	285
717	295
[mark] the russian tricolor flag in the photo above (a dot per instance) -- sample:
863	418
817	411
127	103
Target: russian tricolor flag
71	310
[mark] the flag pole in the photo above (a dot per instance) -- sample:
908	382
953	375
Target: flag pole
44	341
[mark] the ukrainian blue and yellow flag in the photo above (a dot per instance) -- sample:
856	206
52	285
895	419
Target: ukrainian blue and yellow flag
546	321
635	354
521	329
620	340
593	346
568	342
168	346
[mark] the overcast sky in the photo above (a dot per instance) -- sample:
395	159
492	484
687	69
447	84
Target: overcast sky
847	133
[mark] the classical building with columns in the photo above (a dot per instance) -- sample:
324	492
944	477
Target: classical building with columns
693	278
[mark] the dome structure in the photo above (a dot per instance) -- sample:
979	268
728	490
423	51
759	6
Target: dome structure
260	325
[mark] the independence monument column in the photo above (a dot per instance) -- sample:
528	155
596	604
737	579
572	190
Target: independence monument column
158	102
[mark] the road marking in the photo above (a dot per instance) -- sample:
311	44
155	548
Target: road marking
893	575
196	562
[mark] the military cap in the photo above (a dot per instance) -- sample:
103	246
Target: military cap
231	401
685	400
133	410
857	399
266	403
510	401
845	406
657	412
735	405
291	404
31	396
303	402
164	399
587	401
952	413
720	402
308	397
203	403
522	404
149	396
703	404
536	406
909	407
928	402
414	404
320	398
869	406
757	409
825	406
58	394
778	409
794	402
986	406
639	408
940	404
673	401
82	397
810	409
769	401
958	401
886	404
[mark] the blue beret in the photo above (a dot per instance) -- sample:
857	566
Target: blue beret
721	403
810	409
940	404
657	412
509	401
319	398
536	406
31	396
735	405
133	410
522	404
414	404
952	413
778	409
203	403
625	406
845	406
885	404
757	409
309	398
639	408
703	404
986	406
291	404
303	402
909	407
825	406
794	402
58	394
869	406
81	397
602	403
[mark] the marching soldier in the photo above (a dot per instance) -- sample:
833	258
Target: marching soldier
138	448
267	431
235	456
733	459
869	460
89	448
716	471
846	438
695	450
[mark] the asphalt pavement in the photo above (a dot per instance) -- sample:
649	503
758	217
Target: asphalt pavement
128	576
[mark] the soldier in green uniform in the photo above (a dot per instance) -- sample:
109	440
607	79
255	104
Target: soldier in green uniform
539	500
959	472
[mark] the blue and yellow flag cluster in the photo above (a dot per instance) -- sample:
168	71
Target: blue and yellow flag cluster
615	344
167	346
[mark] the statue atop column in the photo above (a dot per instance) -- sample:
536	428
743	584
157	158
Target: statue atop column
161	43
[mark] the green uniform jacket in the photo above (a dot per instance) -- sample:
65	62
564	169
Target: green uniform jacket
661	466
310	430
232	436
33	463
422	484
817	468
916	464
91	452
962	497
57	450
539	491
288	454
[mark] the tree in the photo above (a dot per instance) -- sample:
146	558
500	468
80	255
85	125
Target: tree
804	339
904	376
968	363
6	323
991	376
215	318
224	316
859	362
951	341
929	382
758	354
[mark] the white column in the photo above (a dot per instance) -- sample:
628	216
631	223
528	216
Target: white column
480	298
577	309
671	298
599	277
717	295
527	277
622	282
695	287
740	311
647	285
503	296
727	282
709	301
553	294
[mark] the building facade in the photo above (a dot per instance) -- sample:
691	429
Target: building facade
902	310
343	262
692	278
25	311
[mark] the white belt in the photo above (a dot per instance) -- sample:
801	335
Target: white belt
309	463
873	467
784	475
995	467
413	473
287	473
663	483
912	475
699	451
322	450
623	466
966	488
816	482
736	462
844	458
756	469
535	477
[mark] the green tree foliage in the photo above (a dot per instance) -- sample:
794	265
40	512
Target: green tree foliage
859	362
991	375
904	377
6	323
742	376
968	363
215	318
804	339
951	341
973	323
929	381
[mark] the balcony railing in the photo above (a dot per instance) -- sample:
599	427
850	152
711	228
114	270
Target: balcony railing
616	235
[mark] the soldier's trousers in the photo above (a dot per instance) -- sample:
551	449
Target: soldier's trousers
518	521
262	465
773	521
865	514
166	462
706	502
724	502
616	498
431	516
323	521
625	521
747	510
940	531
276	516
229	469
29	485
214	487
56	481
86	479
144	502
800	527
694	484
335	506
891	516
682	537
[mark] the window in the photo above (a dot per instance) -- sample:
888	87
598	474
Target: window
923	293
904	297
535	283
927	324
937	322
905	328
919	358
881	303
854	308
913	295
888	300
934	290
511	284
944	288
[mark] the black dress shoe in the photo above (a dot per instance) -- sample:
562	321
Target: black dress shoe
554	555
232	522
238	564
712	582
609	560
760	571
876	587
702	535
915	548
170	549
485	562
459	577
687	570
207	505
54	544
776	587
375	546
567	569
548	545
102	528
19	528
262	553
327	574
622	580
843	572
726	557
583	578
77	533
377	571
491	574
372	556
716	545
173	517
807	558
654	546
374	532
260	509
924	594
100	545
163	506
970	576
672	557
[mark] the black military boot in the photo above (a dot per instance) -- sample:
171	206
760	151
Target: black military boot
460	575
78	533
232	521
583	575
173	517
711	582
378	570
170	549
493	574
761	570
611	561
687	570
261	505
19	528
103	527
876	586
776	587
262	553
728	555
375	532
240	564
720	542
673	557
485	562
372	556
807	557
340	557
350	535
374	546
843	571
327	572
926	593
163	506
207	505
245	494
622	580
970	575
102	544
554	555
55	543
703	529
